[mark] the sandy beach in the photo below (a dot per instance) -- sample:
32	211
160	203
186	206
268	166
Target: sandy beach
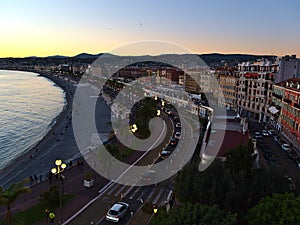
59	142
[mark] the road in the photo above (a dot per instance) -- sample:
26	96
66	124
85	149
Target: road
95	212
136	196
287	165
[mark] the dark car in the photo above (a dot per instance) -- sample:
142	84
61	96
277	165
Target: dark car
173	141
164	154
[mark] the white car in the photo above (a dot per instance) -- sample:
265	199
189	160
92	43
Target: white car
117	211
257	135
271	132
265	133
178	125
286	147
177	135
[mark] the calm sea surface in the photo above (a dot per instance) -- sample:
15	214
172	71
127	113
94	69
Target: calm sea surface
28	107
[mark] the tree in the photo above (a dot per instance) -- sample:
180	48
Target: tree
240	161
235	185
206	187
8	196
278	209
145	111
194	214
51	197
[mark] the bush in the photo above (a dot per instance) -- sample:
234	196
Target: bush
50	198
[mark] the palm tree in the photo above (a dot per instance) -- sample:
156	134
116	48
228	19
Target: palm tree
9	196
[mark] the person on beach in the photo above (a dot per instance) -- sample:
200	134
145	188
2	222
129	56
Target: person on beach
35	179
47	212
71	164
31	180
50	175
51	217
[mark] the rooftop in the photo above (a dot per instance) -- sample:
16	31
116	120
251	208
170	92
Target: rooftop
292	84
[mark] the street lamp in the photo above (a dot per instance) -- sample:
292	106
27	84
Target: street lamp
162	103
134	128
60	166
158	112
155	209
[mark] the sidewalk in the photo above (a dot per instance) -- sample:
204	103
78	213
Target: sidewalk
73	184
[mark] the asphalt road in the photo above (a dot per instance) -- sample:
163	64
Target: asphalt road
286	164
136	196
95	212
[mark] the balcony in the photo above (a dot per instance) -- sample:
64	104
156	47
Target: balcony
277	96
296	105
287	100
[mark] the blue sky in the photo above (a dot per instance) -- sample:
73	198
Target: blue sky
68	27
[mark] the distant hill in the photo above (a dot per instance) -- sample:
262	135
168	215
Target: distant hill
86	56
55	57
213	60
232	58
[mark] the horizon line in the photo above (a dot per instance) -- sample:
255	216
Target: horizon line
72	56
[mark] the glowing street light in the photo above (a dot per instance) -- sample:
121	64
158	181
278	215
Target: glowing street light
60	166
155	209
162	103
134	128
158	112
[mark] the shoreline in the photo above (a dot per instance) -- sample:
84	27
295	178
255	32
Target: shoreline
65	113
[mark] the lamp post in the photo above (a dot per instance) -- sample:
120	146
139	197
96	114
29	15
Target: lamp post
155	209
60	166
158	112
134	128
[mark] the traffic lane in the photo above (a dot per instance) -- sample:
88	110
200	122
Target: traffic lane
288	165
152	155
135	204
97	210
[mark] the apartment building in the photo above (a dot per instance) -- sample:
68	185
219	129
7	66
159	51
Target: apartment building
289	67
226	82
286	100
254	81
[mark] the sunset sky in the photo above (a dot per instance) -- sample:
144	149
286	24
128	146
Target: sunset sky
62	27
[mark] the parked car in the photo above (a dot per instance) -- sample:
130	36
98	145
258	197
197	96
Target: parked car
173	141
277	139
298	163
178	125
164	154
271	132
176	119
169	112
291	156
117	211
177	135
257	135
286	147
265	133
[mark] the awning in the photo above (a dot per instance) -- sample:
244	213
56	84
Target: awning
273	110
248	75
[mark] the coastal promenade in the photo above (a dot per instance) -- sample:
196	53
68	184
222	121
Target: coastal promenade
59	142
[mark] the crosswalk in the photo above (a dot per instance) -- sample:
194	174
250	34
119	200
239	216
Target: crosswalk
151	194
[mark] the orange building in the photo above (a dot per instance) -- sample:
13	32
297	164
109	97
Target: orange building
286	96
